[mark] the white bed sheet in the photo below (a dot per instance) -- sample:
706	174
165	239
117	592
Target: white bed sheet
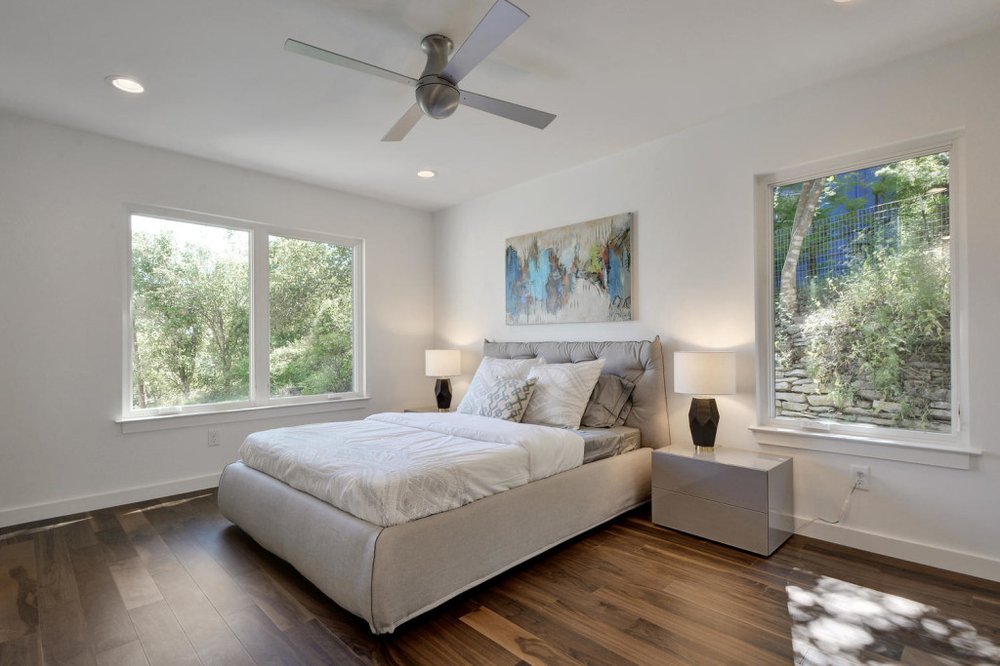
393	468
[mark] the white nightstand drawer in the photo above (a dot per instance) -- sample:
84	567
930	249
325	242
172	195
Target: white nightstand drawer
717	521
741	498
739	486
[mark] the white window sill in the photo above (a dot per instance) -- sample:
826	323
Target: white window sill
938	455
169	421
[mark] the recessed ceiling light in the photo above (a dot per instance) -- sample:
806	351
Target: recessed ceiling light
426	173
842	2
125	84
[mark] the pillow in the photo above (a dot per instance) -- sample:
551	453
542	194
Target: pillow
490	371
562	392
507	399
626	410
607	401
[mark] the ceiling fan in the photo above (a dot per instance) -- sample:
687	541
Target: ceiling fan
437	91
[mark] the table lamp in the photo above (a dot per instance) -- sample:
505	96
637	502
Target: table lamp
442	363
704	374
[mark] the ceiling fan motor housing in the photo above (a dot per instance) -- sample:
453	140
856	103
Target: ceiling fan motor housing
438	99
437	96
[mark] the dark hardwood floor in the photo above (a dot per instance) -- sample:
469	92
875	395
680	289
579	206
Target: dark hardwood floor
173	582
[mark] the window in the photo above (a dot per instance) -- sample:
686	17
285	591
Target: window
228	315
190	314
312	317
857	309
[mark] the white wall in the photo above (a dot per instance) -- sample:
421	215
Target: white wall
694	279
62	239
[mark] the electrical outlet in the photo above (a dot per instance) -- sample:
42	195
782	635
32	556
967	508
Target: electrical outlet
213	437
861	475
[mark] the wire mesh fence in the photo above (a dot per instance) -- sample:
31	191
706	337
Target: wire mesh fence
835	244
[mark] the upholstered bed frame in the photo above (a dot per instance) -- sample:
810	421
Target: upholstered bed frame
388	575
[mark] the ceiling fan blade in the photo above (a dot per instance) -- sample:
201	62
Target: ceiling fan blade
509	110
404	124
295	46
498	24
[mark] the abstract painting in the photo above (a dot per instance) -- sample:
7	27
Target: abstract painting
577	273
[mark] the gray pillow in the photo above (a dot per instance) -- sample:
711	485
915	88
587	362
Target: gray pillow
607	402
506	399
626	410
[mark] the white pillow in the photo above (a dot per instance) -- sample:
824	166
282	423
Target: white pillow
561	393
490	371
508	399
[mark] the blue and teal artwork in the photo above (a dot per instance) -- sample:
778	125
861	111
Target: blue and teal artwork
577	273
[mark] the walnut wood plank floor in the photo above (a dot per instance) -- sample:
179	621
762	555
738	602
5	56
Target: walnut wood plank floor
173	582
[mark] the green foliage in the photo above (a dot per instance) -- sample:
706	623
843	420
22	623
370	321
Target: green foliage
846	184
191	318
918	187
786	200
190	315
312	319
890	311
786	354
914	177
875	327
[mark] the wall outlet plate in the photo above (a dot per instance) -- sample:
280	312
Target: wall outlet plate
861	475
213	437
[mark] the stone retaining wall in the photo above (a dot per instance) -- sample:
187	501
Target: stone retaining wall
797	396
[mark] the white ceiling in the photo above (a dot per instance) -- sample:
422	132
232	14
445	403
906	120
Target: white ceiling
616	72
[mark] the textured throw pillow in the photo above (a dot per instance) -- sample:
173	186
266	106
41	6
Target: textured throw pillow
562	392
607	401
507	399
490	371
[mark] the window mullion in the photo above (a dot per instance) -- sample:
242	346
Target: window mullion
260	319
359	321
128	324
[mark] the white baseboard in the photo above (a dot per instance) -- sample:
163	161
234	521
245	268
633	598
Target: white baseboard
933	556
66	507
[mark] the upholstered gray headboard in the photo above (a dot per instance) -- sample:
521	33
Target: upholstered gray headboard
639	361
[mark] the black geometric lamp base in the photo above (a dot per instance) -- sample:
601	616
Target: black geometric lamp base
442	391
704	420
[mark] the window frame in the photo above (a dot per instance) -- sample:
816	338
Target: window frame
260	333
857	439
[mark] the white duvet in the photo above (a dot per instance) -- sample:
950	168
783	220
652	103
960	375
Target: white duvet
393	468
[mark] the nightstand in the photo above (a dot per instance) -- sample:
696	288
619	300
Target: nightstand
739	498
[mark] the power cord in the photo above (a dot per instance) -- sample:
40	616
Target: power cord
843	510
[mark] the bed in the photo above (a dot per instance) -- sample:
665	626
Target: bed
388	575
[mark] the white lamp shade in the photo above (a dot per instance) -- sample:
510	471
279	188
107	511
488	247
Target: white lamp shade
705	373
442	362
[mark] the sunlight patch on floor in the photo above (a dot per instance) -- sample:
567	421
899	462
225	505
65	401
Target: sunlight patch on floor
838	623
43	528
163	505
